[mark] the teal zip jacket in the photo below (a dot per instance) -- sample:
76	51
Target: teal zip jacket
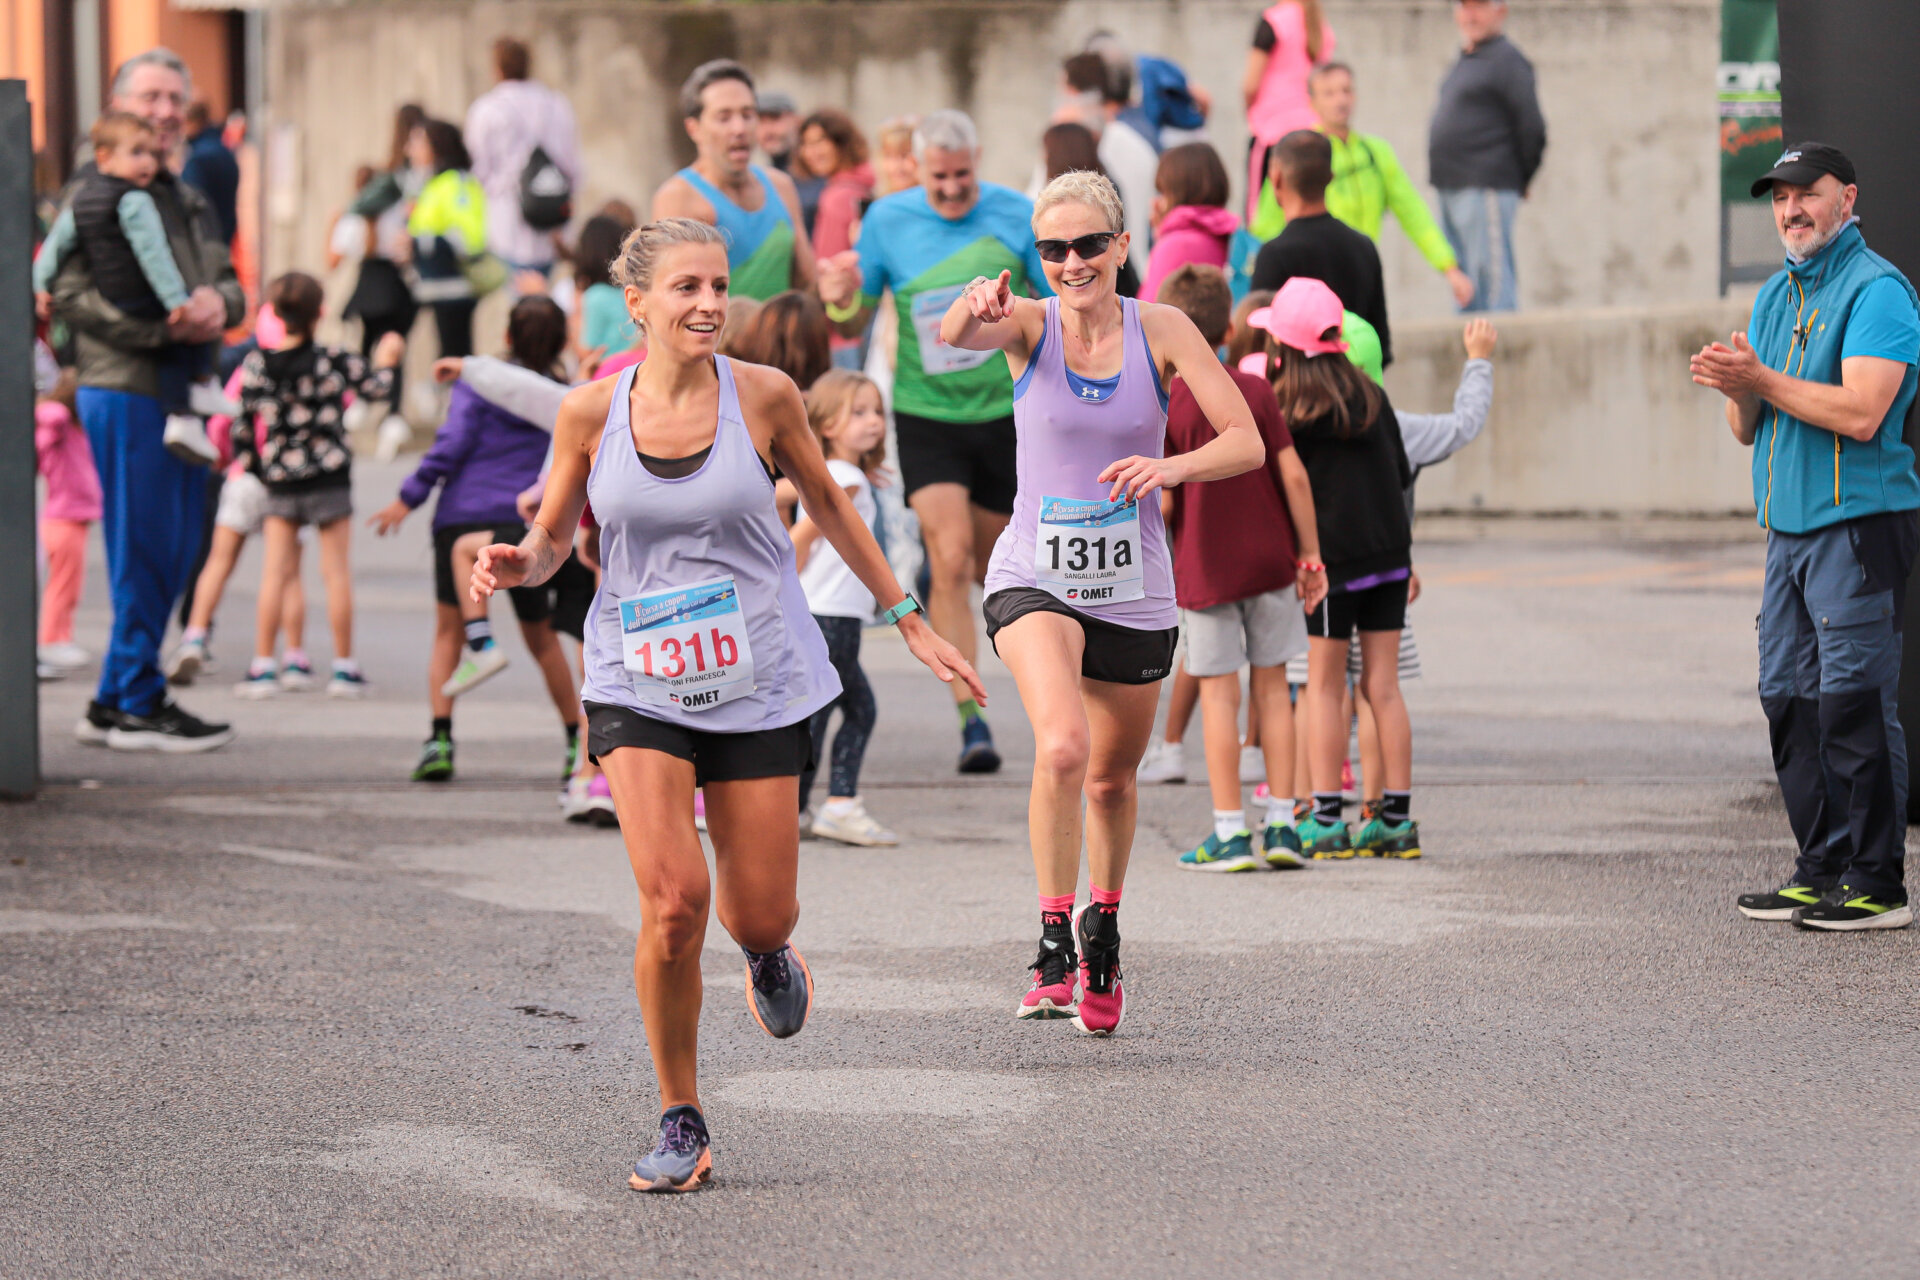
1806	478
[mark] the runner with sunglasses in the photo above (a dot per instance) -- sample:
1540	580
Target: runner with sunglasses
704	666
1080	590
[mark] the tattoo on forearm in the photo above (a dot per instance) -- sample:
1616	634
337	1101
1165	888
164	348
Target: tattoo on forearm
540	555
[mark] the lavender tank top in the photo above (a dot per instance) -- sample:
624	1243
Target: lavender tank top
1065	440
658	535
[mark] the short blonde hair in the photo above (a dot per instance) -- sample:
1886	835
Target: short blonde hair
1083	186
640	251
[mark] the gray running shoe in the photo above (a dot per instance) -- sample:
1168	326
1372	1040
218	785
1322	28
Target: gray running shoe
779	990
680	1161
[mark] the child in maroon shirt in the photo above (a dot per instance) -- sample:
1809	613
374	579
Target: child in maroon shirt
1246	567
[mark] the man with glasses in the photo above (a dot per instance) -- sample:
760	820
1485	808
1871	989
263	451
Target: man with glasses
1368	183
952	409
153	501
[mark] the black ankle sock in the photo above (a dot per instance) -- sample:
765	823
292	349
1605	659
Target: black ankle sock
1326	807
573	730
443	726
1396	806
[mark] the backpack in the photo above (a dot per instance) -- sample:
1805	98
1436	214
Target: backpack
546	194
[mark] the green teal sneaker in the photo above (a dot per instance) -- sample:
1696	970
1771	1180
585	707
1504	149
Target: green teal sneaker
1215	854
1323	840
1280	844
1846	909
436	760
1378	838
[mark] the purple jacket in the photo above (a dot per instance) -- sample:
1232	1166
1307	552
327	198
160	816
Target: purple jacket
484	458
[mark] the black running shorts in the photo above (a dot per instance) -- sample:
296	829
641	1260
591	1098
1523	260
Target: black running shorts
530	604
1115	654
976	455
571	588
786	752
1378	608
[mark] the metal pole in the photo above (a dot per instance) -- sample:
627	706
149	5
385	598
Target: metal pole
19	577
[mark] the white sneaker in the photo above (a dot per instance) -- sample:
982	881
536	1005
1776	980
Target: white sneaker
188	661
851	824
1253	764
476	667
357	416
65	656
207	399
46	671
576	802
395	435
259	684
1164	762
186	439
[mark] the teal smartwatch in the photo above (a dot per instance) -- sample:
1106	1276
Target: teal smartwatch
901	610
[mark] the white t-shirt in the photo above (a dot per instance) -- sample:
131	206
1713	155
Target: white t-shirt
832	590
1132	164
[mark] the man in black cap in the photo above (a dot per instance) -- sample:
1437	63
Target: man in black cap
1820	387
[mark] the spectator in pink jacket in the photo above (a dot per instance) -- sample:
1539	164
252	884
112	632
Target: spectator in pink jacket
73	503
1191	221
1289	41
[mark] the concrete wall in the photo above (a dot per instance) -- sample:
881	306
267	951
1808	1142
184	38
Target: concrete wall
1593	412
1624	213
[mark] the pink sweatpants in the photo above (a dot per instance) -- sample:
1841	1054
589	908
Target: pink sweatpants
65	543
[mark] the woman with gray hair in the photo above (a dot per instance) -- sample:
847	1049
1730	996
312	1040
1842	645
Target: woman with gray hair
1080	599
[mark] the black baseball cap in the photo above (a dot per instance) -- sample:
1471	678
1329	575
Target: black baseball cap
1802	164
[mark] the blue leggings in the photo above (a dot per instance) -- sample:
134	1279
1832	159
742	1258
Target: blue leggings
857	712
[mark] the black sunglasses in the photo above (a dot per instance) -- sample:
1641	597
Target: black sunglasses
1088	247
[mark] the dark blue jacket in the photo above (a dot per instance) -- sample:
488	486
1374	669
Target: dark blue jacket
483	457
213	172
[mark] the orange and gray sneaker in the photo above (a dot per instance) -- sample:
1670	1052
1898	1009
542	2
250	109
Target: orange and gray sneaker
1051	995
680	1161
779	990
1103	1002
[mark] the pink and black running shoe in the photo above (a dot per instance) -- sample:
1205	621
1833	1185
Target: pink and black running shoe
1051	995
1103	1002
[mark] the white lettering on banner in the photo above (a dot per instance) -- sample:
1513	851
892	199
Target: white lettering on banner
1087	550
930	307
687	647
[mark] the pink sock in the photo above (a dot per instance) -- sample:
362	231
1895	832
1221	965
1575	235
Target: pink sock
1105	897
1060	905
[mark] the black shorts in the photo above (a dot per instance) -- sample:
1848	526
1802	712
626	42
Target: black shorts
571	588
977	455
1378	608
786	752
1113	653
530	604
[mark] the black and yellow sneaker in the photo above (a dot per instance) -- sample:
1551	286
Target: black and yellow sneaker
1845	910
1778	904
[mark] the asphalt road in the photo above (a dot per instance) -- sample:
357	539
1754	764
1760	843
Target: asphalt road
274	1011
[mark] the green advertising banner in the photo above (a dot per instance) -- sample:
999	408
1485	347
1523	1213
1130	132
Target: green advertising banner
1750	133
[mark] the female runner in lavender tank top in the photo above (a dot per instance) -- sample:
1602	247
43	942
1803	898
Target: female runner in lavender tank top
1080	590
703	664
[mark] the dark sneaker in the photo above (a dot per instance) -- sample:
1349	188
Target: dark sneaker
1280	845
94	726
1051	995
436	760
1103	1002
779	991
1378	838
1780	904
1215	854
681	1160
1845	910
169	729
1322	840
976	748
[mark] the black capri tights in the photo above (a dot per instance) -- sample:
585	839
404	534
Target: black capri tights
857	712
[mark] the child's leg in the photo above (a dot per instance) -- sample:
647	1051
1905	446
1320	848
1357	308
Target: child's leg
65	542
1326	726
174	368
1180	705
1372	766
1270	701
335	571
1220	732
293	606
544	645
1380	676
281	540
223	554
1302	743
1253	722
445	657
857	715
466	550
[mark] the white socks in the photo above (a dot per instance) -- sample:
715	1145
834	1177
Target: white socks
1228	823
1280	810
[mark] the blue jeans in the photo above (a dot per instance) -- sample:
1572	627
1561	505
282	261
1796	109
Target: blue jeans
151	514
1478	222
1830	614
857	712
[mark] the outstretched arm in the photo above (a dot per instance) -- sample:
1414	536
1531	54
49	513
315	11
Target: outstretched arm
550	536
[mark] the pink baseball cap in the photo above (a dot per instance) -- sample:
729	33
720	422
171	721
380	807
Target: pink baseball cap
1302	311
268	329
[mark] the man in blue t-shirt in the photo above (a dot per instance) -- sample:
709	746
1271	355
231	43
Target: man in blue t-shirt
952	409
1820	388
